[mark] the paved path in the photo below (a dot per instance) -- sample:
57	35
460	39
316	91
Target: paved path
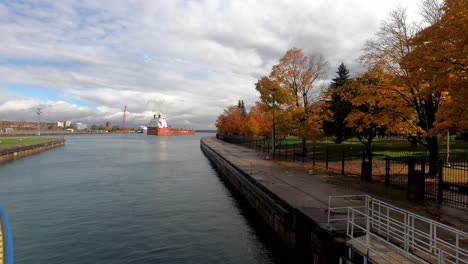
309	189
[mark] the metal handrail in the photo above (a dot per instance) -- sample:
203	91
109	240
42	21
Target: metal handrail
343	209
350	232
417	236
418	233
9	257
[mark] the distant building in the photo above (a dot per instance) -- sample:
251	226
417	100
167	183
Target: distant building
8	130
109	125
67	124
81	126
59	124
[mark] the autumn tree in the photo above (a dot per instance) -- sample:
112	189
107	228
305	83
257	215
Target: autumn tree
391	48
231	122
259	121
438	63
339	108
297	74
376	110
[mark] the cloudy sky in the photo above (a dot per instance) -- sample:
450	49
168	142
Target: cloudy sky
188	59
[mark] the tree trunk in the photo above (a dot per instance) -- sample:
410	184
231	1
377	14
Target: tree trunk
369	156
433	147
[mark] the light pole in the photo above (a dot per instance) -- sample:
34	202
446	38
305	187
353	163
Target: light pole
273	131
38	112
448	148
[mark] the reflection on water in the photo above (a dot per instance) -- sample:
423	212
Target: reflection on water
127	199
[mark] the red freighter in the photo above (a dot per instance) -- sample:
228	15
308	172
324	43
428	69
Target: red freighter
158	127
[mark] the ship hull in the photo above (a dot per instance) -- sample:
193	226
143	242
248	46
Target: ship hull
156	131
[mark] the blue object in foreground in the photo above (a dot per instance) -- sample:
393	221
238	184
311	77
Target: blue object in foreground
8	255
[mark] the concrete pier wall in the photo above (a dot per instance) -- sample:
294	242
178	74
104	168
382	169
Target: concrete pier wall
296	229
30	149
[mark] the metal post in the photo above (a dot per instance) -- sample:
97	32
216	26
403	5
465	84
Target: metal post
387	170
274	127
326	159
286	151
268	149
313	159
422	181
343	162
294	152
38	112
448	148
440	182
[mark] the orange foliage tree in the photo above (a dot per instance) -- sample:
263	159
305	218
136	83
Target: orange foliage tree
274	100
258	123
293	81
231	122
439	64
415	59
376	109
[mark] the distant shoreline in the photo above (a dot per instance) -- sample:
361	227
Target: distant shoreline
63	133
29	134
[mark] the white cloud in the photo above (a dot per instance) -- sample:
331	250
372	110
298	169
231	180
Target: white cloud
188	59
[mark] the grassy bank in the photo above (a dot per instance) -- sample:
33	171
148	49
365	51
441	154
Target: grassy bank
9	142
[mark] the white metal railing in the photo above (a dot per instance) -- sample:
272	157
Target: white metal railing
416	236
338	205
370	238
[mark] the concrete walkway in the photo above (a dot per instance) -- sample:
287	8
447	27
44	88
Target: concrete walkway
309	189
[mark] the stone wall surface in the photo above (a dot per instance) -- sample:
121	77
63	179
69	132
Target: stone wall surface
15	152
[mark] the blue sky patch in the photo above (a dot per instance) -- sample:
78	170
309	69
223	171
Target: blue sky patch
45	94
21	62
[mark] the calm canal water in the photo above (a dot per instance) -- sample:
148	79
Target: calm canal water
127	199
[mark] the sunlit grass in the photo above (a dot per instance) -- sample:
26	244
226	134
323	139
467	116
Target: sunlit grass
387	146
21	141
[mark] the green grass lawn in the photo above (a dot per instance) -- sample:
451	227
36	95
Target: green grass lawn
21	141
391	147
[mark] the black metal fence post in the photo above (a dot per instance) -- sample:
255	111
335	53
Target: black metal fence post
423	166
294	152
343	156
268	148
286	151
440	182
422	181
326	158
410	167
313	158
387	170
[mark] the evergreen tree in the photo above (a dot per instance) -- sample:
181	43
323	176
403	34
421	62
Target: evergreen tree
343	76
241	106
339	107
